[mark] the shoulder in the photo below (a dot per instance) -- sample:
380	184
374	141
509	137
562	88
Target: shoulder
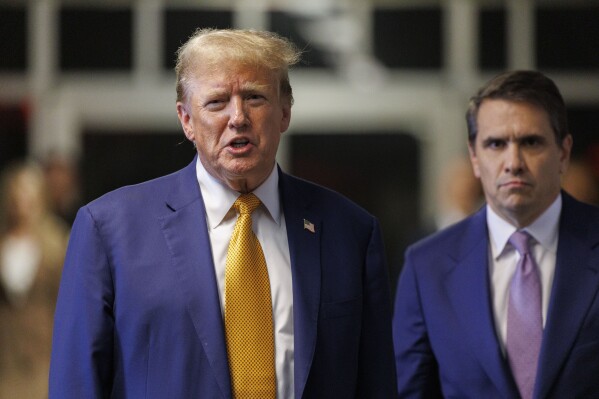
573	208
579	218
454	240
135	193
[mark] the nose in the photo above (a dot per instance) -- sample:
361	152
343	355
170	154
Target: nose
239	116
514	161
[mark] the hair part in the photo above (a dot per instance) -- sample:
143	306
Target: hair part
530	87
213	47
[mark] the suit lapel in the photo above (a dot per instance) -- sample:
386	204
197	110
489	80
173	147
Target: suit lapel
468	289
187	237
304	251
575	285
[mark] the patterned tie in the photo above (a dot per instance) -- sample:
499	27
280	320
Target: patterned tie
524	319
248	310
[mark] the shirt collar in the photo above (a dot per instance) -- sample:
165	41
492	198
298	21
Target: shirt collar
218	198
544	229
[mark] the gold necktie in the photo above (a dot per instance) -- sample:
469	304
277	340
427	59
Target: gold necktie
248	310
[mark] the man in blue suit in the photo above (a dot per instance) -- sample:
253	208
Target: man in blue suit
143	296
461	326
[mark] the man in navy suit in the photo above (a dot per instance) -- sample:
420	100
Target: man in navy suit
142	299
453	321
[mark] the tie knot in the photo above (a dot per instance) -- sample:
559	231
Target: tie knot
246	203
521	241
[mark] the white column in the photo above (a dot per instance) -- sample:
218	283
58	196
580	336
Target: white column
521	34
250	14
50	130
461	50
147	41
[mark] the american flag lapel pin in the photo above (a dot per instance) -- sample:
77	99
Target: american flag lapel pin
308	225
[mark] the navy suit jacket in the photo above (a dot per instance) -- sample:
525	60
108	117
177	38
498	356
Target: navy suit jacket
444	333
138	313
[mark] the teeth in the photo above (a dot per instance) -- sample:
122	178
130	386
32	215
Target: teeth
239	143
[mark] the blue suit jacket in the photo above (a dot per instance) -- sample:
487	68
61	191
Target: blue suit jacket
444	334
138	313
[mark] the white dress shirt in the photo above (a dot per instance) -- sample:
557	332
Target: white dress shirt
20	259
503	259
268	223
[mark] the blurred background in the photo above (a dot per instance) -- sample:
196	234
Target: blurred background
87	90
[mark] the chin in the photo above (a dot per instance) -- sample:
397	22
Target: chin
239	166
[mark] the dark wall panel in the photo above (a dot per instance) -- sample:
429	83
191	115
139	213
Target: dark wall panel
568	38
492	45
114	159
409	38
13	133
95	39
13	38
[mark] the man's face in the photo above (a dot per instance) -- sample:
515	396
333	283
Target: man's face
517	159
236	117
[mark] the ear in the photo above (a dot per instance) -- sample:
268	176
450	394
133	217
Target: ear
286	116
473	159
565	150
185	119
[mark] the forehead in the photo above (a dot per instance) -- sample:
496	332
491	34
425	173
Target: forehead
234	75
503	117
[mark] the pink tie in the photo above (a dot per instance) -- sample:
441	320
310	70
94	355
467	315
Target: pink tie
524	319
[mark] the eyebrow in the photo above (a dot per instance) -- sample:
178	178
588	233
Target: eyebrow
526	136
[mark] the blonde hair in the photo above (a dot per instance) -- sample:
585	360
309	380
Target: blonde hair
212	48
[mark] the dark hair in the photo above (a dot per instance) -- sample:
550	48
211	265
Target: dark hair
522	86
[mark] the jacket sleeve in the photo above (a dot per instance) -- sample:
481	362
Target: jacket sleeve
82	349
417	370
377	369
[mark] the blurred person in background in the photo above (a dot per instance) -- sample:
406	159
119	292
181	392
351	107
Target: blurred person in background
62	182
32	249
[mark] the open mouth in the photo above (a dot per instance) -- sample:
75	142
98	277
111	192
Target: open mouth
239	143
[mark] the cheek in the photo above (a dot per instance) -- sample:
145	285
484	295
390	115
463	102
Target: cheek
209	132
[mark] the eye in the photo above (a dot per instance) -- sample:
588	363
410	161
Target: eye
532	141
494	144
215	103
255	98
